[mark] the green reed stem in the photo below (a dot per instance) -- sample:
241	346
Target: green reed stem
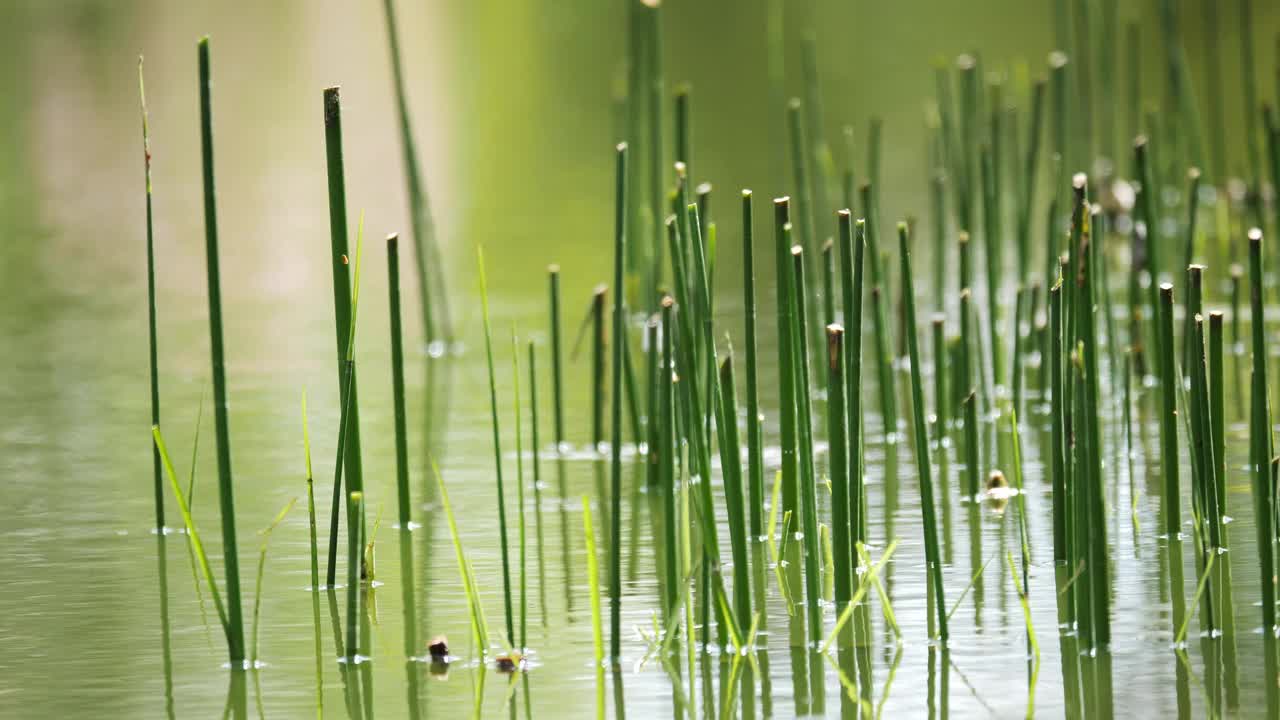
731	471
355	547
1260	445
557	386
808	476
839	443
1015	371
222	430
343	314
397	380
1168	415
932	556
755	435
972	468
619	347
787	398
497	451
667	452
1062	550
853	247
520	509
828	282
157	480
993	240
425	245
883	343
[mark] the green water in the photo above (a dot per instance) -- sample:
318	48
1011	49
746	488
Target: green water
512	110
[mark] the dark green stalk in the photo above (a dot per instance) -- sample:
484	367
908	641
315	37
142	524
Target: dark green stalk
684	133
342	315
755	439
828	282
1093	504
1168	416
853	246
965	367
1027	191
226	498
520	504
557	385
787	403
839	444
731	467
1060	114
656	92
1237	337
619	341
932	556
1146	212
157	479
937	204
420	221
940	410
972	467
1217	424
1015	371
993	239
808	476
967	66
1260	448
667	453
397	381
497	451
883	344
355	545
1062	551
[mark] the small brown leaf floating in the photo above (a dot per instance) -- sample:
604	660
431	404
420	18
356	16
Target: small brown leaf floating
509	663
439	649
998	492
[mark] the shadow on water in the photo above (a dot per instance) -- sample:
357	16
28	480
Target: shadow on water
939	683
407	587
162	562
237	706
619	699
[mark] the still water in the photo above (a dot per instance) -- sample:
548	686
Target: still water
512	106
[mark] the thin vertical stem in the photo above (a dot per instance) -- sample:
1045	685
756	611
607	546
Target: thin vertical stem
226	497
619	341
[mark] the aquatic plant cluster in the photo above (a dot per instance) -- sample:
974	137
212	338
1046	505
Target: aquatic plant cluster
1030	333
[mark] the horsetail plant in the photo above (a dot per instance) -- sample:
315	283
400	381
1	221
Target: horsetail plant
932	556
222	430
397	381
151	306
619	348
497	450
343	319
